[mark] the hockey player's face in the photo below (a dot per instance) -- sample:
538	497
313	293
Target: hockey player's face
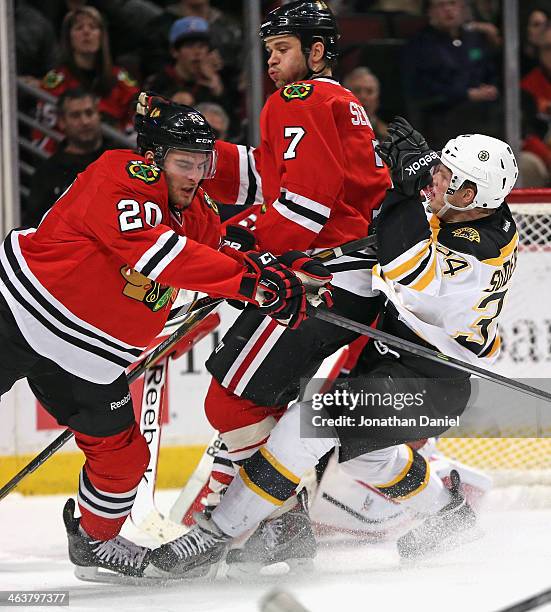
184	171
440	182
286	62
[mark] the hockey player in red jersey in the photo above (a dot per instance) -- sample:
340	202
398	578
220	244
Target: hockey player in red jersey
319	180
82	295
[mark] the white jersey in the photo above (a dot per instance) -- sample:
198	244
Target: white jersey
448	281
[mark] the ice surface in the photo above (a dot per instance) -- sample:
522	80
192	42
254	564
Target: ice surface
512	561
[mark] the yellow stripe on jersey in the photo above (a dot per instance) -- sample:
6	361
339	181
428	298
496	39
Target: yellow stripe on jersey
427	278
278	466
408	265
256	489
495	346
504	252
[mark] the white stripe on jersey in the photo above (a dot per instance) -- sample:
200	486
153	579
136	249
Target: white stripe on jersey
245	351
168	246
243	175
301	210
259	197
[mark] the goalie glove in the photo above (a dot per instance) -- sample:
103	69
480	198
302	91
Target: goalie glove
276	289
410	159
313	274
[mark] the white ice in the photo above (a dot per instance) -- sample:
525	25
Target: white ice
512	561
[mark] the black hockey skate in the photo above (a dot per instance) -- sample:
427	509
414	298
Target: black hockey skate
453	525
287	538
98	560
193	555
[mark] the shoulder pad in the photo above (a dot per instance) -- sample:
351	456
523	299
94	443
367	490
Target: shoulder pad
297	91
141	171
52	79
481	240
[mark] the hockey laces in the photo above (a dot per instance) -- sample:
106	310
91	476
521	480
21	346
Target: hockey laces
120	550
194	542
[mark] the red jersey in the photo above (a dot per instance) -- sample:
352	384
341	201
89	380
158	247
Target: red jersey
92	286
118	105
315	169
536	83
316	173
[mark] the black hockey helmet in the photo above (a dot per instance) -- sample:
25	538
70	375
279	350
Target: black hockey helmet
307	20
162	125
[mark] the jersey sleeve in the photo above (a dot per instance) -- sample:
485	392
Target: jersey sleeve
238	178
305	145
125	227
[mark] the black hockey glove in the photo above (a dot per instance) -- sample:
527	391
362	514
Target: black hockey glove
314	275
410	159
239	238
277	289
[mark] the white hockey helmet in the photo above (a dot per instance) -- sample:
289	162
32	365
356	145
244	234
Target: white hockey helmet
487	162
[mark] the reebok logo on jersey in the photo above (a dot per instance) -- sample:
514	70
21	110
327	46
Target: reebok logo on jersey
122	402
297	91
424	162
147	173
469	233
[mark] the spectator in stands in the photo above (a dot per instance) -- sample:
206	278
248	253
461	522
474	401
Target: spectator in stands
532	28
538	81
225	34
86	62
194	68
450	77
217	117
366	87
182	97
79	120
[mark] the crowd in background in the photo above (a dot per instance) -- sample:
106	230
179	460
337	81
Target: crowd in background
437	62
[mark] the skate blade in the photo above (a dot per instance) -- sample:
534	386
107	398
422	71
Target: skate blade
204	573
452	543
252	569
96	574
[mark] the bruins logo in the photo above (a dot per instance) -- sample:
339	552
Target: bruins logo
297	91
142	171
211	203
469	233
483	156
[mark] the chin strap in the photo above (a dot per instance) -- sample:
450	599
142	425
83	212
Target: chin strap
448	205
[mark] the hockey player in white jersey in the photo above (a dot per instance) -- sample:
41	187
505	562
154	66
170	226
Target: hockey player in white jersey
446	272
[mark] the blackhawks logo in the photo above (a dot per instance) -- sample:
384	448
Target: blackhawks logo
142	171
297	91
211	203
469	233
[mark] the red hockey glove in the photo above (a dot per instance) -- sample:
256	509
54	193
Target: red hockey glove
276	289
314	275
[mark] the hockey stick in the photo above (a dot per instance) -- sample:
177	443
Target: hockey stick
531	603
324	256
421	351
197	481
154	357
